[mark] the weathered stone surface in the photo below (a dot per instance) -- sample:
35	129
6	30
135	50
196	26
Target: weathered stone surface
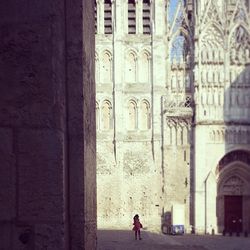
193	72
41	175
47	136
7	175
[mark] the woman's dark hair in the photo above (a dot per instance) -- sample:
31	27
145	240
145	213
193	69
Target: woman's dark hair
136	216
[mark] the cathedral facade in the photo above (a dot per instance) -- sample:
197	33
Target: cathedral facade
173	113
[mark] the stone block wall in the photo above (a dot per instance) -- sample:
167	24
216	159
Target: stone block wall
47	137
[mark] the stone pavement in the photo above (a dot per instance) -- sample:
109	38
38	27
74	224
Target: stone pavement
124	240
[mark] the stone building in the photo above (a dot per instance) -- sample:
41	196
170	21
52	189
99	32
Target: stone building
173	112
47	125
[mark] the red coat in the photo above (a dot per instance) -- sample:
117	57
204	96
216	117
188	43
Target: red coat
137	225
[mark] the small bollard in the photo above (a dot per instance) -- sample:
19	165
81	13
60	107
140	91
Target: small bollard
246	234
212	231
237	234
224	232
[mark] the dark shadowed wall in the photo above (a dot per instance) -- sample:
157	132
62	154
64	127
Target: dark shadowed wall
47	125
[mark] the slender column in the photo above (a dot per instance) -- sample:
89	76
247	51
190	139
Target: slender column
101	16
139	16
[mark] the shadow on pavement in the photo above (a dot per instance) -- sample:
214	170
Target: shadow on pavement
124	240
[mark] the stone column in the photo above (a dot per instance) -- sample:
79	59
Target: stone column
101	17
139	17
47	125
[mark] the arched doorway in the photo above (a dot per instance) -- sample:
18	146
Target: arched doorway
233	192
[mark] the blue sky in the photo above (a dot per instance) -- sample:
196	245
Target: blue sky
172	8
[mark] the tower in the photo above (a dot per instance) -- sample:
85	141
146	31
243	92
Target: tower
130	80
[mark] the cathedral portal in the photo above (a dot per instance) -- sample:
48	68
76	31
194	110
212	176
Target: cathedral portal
233	198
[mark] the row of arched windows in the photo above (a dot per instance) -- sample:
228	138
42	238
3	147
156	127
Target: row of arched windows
138	115
137	67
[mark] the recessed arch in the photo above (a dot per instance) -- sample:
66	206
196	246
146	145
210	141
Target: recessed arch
106	66
145	115
233	190
106	115
144	66
132	114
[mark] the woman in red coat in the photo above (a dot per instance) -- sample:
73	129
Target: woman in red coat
137	226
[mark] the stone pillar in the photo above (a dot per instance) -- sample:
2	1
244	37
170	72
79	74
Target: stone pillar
101	17
139	17
47	125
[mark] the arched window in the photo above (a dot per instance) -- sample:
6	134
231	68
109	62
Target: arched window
106	68
106	119
132	115
145	67
145	116
97	115
131	68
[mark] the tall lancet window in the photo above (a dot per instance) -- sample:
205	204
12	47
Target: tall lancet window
131	68
107	17
106	119
132	115
145	67
145	116
106	68
146	16
131	17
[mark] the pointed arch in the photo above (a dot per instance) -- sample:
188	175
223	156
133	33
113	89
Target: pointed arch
106	67
212	37
132	115
180	46
239	45
211	14
106	115
145	115
131	66
144	70
240	14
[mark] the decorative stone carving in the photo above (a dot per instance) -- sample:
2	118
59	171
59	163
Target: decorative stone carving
237	155
135	163
233	186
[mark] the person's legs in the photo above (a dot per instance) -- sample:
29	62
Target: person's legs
139	233
136	234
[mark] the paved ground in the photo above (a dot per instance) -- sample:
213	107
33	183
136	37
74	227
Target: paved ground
124	240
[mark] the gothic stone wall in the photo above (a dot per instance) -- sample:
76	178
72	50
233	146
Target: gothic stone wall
47	137
127	186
